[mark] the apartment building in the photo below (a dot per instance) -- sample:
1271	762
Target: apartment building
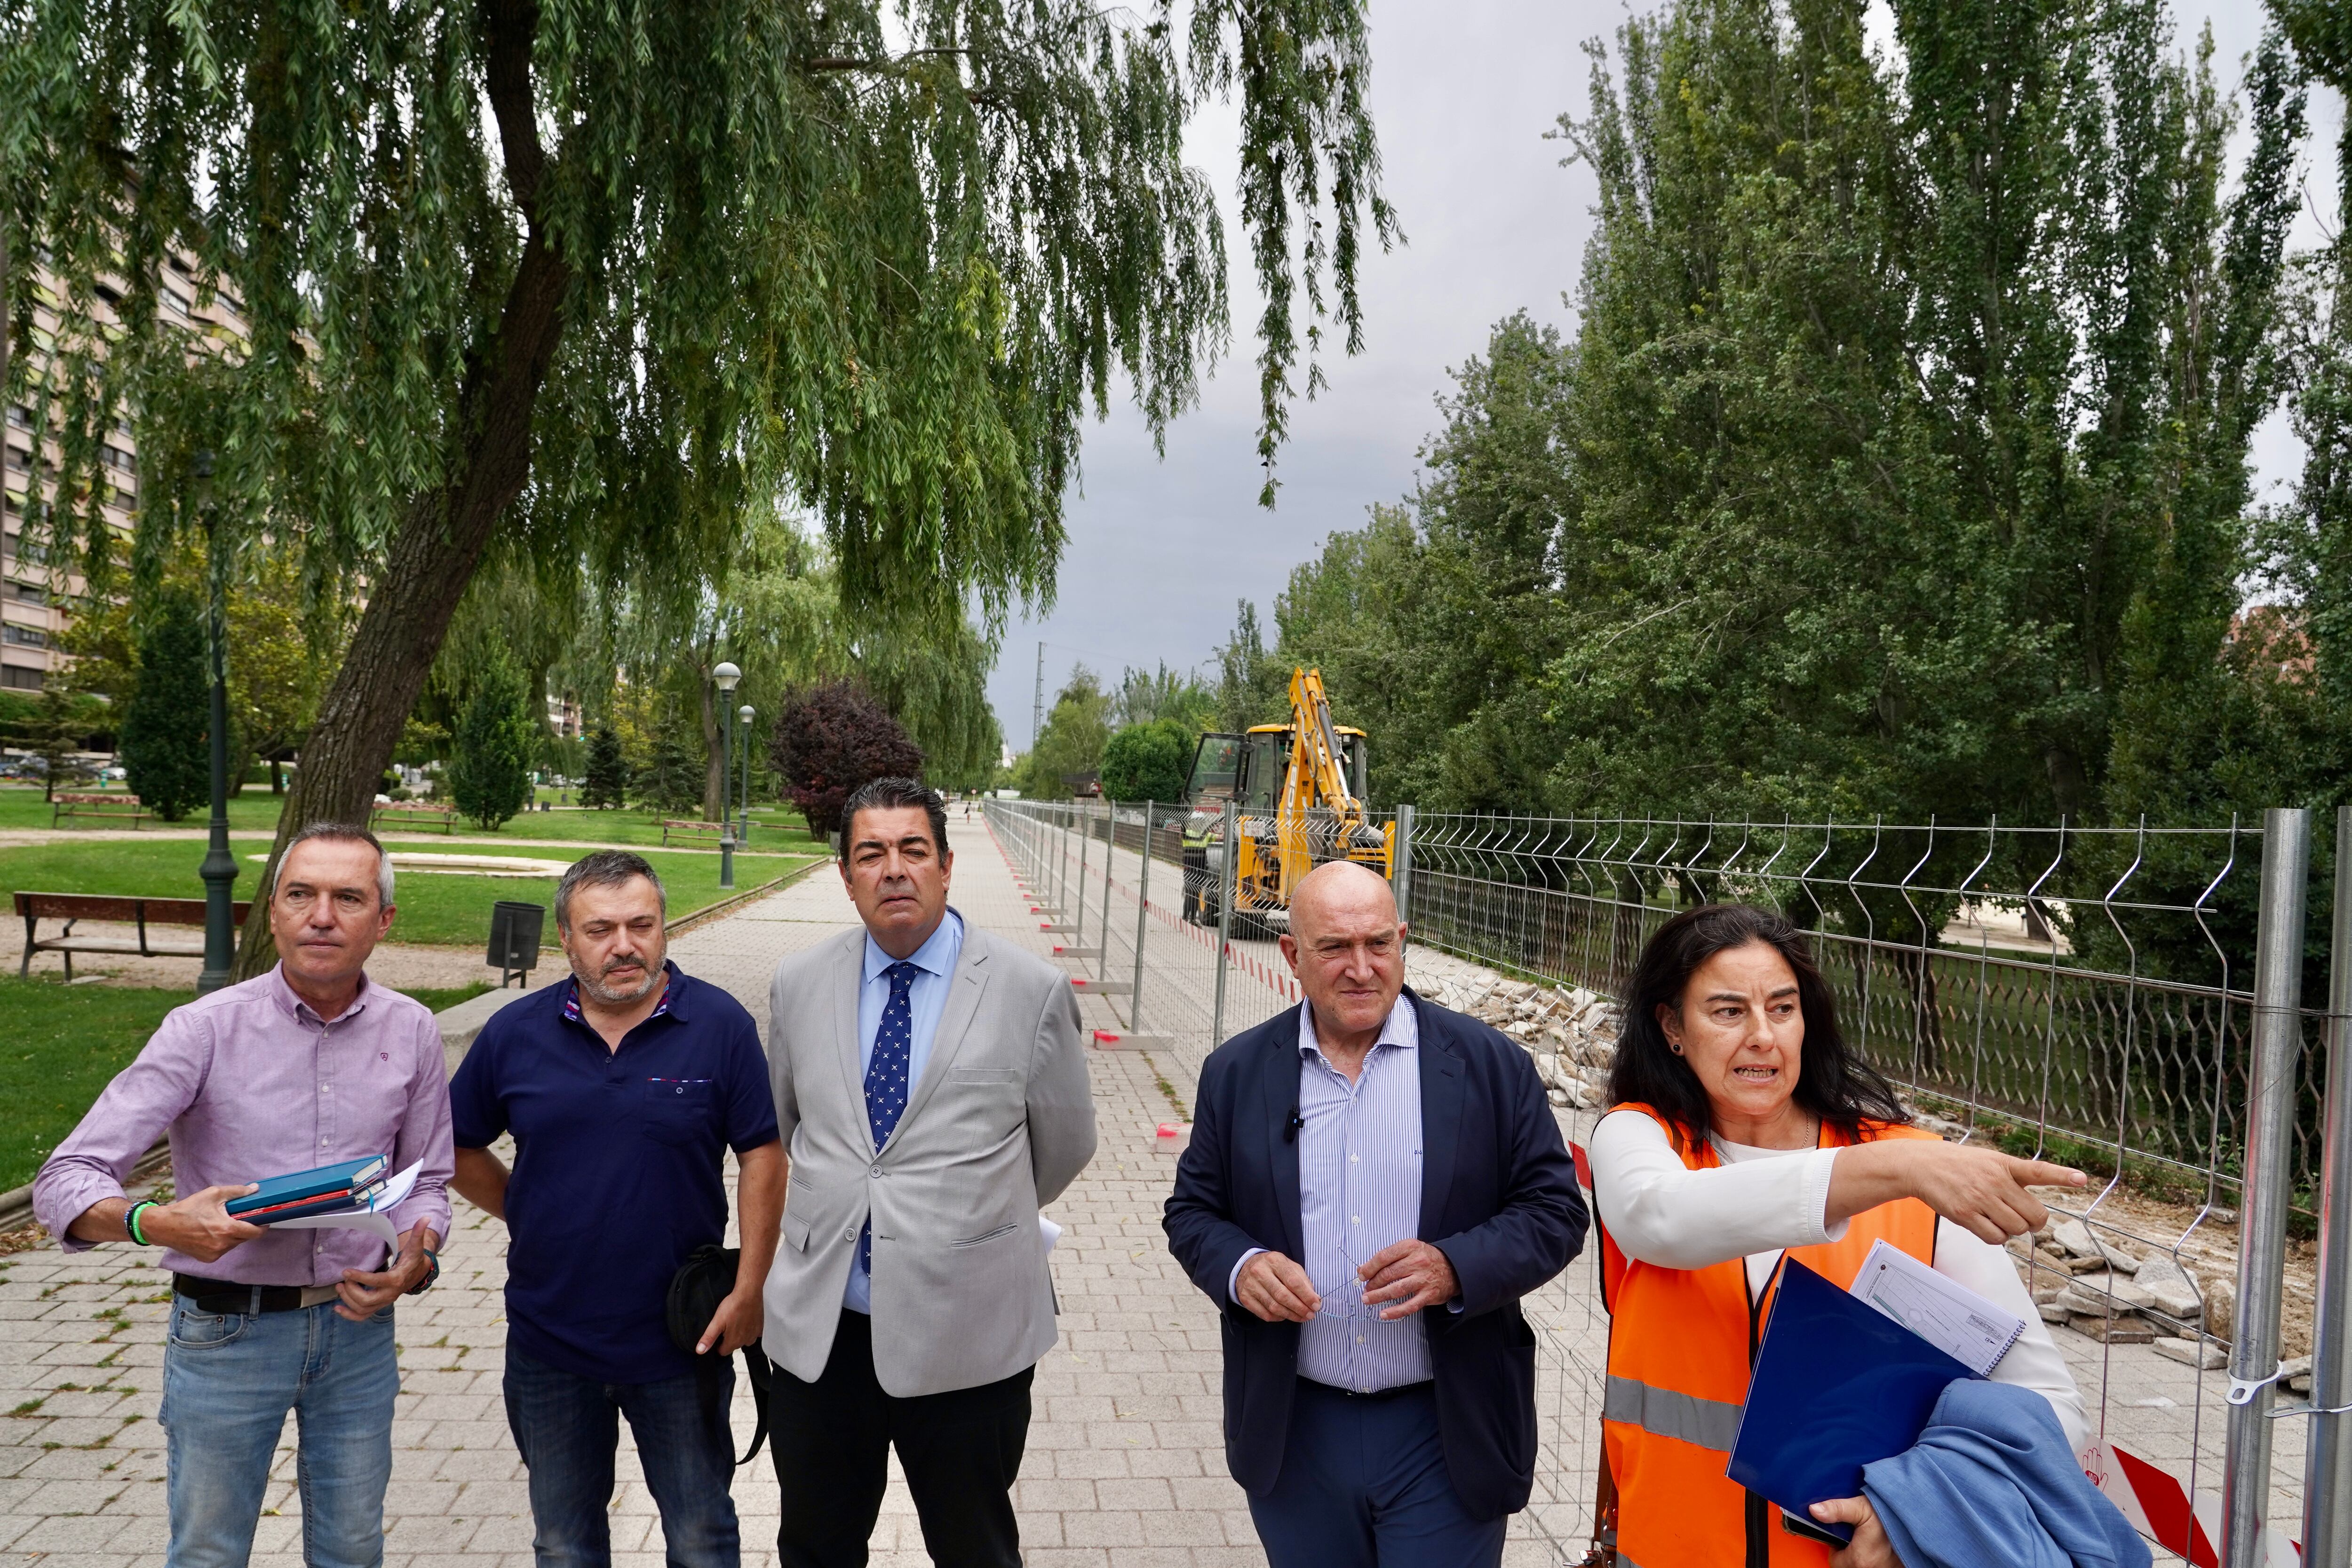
37	597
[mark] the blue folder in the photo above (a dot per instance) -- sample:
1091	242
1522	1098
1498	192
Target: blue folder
1837	1386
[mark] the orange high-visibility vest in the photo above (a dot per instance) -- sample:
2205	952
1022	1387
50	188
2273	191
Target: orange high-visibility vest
1681	1341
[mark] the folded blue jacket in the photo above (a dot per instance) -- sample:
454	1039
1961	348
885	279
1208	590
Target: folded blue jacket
1992	1481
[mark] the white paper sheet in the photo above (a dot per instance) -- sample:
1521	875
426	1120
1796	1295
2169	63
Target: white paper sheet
371	1218
1946	1314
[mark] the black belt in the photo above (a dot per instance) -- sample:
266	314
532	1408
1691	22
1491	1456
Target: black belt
225	1296
1402	1388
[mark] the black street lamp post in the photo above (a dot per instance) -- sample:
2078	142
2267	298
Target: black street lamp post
724	677
219	869
744	714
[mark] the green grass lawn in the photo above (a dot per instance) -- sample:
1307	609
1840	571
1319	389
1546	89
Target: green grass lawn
64	1043
774	829
435	907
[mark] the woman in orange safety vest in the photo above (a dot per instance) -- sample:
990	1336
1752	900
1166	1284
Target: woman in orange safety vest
1744	1131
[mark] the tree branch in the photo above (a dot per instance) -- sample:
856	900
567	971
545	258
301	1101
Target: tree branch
510	27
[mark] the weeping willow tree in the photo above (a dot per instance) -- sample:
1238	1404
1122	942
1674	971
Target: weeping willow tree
776	609
580	281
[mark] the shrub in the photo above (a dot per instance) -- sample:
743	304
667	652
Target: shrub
606	780
671	781
497	737
832	739
165	747
1148	761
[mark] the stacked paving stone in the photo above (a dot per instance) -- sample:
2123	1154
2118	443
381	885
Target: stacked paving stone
1570	1031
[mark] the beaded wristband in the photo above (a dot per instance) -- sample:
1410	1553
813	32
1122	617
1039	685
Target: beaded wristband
433	1272
131	1218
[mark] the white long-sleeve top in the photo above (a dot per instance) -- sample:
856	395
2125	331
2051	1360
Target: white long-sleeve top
1760	1202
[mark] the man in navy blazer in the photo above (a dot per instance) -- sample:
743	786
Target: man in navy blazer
1371	1185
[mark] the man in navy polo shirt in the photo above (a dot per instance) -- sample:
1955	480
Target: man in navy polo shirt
621	1088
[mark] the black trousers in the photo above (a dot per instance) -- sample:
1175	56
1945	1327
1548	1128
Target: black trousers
832	1440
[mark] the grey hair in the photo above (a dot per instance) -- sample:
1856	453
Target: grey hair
606	868
339	833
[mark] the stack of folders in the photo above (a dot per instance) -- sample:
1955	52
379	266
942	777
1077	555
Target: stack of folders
330	1189
1843	1380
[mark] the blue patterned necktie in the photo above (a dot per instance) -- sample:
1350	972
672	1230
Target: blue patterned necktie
885	1075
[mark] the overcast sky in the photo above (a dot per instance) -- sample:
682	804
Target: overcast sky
1161	550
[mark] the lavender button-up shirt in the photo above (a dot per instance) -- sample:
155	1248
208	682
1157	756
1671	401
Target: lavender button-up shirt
251	1083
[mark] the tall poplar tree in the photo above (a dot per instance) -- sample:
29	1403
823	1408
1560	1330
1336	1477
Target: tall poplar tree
587	281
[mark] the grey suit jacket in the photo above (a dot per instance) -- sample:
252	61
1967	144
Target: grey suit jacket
1001	1122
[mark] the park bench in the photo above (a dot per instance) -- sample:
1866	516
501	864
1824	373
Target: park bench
69	805
141	913
704	832
415	811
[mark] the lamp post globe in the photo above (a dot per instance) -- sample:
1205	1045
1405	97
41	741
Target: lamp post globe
725	677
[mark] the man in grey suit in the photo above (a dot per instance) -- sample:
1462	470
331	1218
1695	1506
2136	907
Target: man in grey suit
931	1089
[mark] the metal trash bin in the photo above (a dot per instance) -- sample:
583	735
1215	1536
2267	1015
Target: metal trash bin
514	940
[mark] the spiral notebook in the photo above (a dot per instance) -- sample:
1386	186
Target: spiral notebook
1972	1330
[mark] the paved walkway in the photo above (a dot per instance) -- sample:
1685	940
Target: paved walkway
1125	1465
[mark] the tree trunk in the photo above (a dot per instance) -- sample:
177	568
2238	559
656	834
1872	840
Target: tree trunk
431	559
439	542
714	759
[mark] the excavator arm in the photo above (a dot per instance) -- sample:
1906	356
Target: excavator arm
1318	777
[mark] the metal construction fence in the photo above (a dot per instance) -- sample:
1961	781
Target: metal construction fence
2129	1000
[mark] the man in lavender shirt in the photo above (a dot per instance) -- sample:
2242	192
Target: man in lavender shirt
308	1064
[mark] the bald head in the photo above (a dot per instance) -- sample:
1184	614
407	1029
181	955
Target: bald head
1347	949
1338	888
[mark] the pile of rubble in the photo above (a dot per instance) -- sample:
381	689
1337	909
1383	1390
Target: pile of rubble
1570	1031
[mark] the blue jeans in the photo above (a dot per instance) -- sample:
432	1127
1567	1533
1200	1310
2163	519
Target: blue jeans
568	1426
1363	1485
228	1380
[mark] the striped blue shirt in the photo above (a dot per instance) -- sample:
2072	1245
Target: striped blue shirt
1359	1190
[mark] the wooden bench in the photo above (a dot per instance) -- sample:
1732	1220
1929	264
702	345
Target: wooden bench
140	912
705	832
69	805
416	810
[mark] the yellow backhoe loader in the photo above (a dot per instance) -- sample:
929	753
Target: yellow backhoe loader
1298	798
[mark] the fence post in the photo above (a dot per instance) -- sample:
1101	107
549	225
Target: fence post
1143	909
1224	918
1085	846
2261	1236
2328	1460
1401	870
1111	858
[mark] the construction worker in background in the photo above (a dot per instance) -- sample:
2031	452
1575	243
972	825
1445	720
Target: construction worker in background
1196	866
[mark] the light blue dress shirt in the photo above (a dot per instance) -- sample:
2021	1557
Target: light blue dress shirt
1359	1163
926	1000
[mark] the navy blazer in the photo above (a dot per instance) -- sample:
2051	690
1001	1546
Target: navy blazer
1499	1197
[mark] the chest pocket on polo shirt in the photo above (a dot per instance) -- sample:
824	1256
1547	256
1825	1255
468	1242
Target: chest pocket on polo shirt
677	1111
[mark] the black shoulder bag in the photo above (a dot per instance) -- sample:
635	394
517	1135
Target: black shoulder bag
706	1278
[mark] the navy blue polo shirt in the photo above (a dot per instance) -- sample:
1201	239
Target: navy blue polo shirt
617	1164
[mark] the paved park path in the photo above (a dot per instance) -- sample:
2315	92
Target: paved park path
1125	1465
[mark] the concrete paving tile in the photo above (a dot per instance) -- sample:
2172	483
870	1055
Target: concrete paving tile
70	1533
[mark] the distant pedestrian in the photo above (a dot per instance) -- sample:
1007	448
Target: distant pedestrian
622	1088
931	1083
1372	1185
309	1065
